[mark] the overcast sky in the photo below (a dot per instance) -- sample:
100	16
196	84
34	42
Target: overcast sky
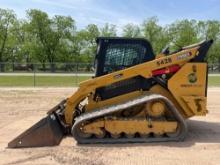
119	12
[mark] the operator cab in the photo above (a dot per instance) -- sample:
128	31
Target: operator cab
115	54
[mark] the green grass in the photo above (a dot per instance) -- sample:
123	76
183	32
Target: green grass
25	81
214	81
61	81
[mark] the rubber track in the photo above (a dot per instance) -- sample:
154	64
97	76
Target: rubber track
115	108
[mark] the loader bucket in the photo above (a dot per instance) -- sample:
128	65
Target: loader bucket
46	132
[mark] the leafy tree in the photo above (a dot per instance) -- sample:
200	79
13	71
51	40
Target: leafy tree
44	39
39	27
131	30
183	33
7	44
23	42
108	30
64	30
51	34
86	43
155	33
213	32
210	30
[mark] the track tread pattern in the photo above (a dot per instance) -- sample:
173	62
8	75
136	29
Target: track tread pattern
125	105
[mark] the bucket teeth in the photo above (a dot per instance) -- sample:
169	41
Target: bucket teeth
46	132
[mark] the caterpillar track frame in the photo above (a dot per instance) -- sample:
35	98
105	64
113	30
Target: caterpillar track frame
135	96
123	106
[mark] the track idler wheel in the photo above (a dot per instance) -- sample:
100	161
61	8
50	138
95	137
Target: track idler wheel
101	135
174	134
143	135
130	136
82	134
115	135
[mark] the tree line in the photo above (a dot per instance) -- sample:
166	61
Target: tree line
39	38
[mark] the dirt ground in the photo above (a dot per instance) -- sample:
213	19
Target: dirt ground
22	107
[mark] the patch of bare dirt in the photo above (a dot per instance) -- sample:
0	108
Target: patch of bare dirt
22	107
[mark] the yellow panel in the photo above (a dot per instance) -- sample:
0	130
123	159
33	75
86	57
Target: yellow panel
140	126
197	104
160	90
117	126
190	80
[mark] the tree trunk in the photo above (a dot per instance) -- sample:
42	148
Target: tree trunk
2	67
44	67
13	66
52	67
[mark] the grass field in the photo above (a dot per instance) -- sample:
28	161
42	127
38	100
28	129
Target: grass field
214	81
61	81
56	81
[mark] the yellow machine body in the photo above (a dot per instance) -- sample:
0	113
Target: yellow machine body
179	85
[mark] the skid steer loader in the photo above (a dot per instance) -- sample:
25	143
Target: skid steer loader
134	96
